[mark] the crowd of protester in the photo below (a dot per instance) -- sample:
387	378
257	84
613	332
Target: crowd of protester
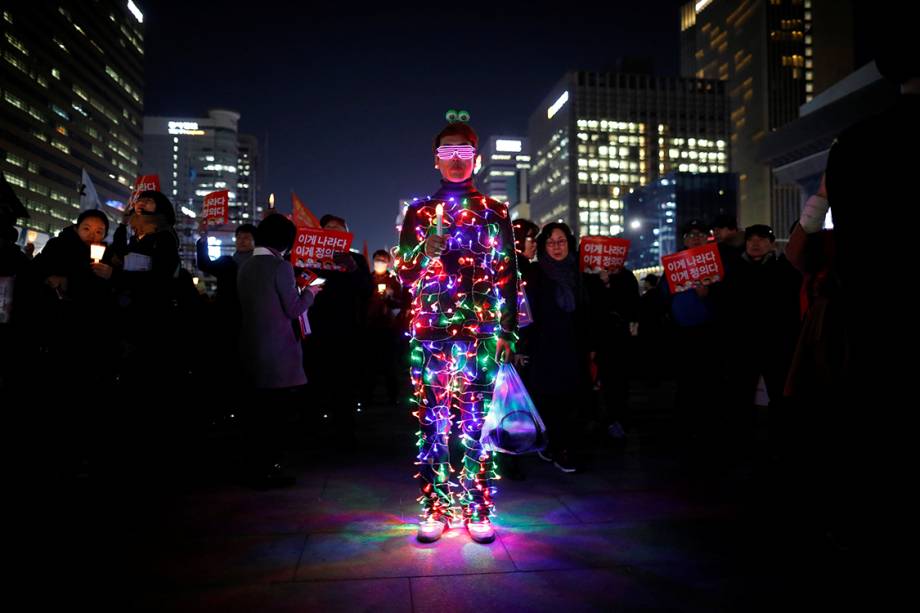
110	341
133	324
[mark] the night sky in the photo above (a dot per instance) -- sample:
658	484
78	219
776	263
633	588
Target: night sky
349	103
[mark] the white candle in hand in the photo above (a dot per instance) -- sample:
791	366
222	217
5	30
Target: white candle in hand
96	252
439	211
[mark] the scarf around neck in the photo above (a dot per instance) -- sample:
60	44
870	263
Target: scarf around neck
564	274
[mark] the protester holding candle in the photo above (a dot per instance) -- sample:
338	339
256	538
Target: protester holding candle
384	332
70	301
457	256
73	249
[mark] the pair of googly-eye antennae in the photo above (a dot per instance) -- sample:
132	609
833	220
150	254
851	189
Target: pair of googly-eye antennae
453	116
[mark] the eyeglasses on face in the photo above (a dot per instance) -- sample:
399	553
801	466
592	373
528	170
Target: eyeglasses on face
464	152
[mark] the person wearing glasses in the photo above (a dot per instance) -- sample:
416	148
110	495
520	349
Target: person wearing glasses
697	333
456	255
562	342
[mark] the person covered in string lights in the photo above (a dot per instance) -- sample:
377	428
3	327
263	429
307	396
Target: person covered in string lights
457	256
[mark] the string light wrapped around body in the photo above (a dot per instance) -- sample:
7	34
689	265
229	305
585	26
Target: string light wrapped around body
463	302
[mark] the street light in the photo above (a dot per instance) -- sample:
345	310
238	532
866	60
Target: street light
651	248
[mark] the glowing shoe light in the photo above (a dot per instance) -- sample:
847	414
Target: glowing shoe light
430	530
481	531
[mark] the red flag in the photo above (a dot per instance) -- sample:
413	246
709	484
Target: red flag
301	215
365	254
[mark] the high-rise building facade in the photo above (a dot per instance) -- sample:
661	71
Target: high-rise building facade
71	99
249	165
194	157
598	135
764	52
503	174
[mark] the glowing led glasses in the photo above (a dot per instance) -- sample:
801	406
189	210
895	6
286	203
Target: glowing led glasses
464	152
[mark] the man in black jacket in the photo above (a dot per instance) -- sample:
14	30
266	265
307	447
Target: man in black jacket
762	309
615	298
338	320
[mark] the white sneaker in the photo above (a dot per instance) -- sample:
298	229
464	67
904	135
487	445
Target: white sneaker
481	531
615	430
431	529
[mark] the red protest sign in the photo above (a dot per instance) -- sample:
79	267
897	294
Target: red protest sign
217	208
602	253
314	248
692	267
144	183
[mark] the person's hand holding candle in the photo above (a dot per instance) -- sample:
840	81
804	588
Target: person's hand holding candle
103	271
435	244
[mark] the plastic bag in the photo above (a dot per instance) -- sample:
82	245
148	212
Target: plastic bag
513	424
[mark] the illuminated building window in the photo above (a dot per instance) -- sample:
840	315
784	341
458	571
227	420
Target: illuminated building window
15	160
14	180
16	44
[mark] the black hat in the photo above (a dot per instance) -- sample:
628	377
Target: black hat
761	230
695	224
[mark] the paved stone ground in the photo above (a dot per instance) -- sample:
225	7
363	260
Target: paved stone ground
652	525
